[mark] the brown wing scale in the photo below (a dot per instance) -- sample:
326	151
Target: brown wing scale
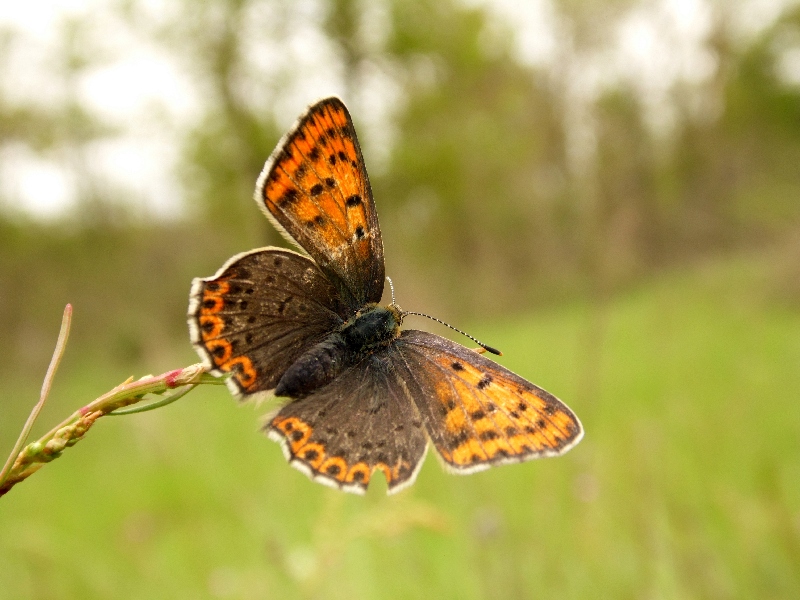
316	190
362	422
258	314
479	413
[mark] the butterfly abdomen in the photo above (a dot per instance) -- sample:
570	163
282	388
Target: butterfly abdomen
370	329
316	367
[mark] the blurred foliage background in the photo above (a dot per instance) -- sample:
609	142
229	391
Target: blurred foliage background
609	191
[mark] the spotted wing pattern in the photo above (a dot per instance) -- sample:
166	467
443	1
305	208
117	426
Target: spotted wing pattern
362	422
316	191
478	413
258	314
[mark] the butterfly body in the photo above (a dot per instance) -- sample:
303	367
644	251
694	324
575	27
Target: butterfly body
363	395
369	329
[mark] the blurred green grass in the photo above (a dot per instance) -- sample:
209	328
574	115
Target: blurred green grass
687	484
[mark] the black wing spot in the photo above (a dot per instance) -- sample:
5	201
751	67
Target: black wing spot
331	132
300	172
511	431
491	407
457	366
249	291
474	458
530	429
212	286
251	319
359	232
207	326
243	304
342	155
333	470
277	261
478	415
248	339
459	439
332	159
311	454
484	383
358	476
514	414
540	423
288	197
316	189
330	182
503	452
314	154
219	351
451	404
489	435
297	435
550	409
209	303
367	445
353	200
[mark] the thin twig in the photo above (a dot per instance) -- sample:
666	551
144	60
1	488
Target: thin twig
58	353
70	431
26	460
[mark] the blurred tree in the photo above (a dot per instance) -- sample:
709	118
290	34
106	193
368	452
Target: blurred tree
228	145
477	175
496	171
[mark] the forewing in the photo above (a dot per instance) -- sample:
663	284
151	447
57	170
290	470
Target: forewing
258	314
315	189
362	422
478	413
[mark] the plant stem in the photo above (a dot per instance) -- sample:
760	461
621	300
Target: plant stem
70	431
61	344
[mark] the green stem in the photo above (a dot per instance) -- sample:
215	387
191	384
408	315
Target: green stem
58	353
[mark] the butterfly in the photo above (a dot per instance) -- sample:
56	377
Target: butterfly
363	395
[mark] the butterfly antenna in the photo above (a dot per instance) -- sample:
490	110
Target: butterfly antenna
477	341
391	287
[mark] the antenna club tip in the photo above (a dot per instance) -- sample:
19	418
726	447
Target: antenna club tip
493	350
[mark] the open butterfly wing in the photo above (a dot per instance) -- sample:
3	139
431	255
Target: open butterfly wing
316	191
259	313
361	422
478	413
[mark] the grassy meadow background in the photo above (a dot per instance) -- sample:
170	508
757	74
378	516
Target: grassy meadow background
621	218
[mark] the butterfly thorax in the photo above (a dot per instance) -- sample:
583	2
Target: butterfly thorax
371	328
